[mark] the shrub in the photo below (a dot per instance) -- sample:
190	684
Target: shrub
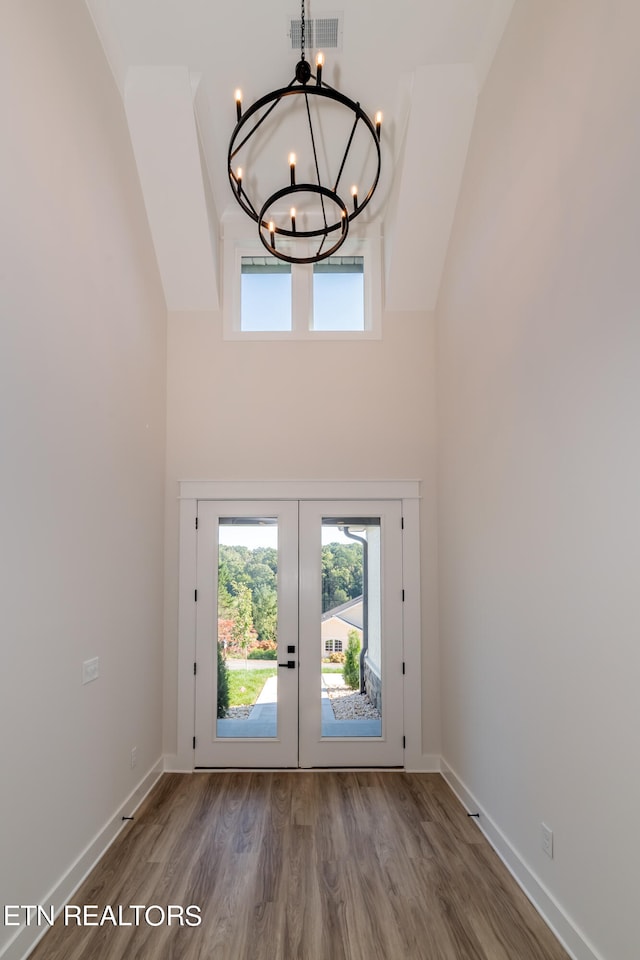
351	668
259	654
223	685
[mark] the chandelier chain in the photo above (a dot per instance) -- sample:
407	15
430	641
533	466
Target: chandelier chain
302	31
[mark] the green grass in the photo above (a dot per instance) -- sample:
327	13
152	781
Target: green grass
245	685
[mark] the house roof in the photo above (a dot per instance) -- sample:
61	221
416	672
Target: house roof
351	612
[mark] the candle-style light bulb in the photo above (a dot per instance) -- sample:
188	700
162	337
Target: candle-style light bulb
272	233
292	168
239	180
239	104
354	194
378	123
319	66
293	219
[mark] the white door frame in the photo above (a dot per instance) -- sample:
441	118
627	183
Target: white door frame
385	748
280	749
407	491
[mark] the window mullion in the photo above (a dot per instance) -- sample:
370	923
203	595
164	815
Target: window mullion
301	298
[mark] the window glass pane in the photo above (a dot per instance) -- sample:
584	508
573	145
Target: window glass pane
265	294
338	294
247	677
350	628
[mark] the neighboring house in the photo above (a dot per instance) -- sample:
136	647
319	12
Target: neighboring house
336	624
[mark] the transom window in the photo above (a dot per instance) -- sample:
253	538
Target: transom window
265	294
266	298
338	294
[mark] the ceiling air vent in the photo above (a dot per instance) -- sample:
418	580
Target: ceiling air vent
323	33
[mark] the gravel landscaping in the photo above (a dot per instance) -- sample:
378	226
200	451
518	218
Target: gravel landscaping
347	704
238	713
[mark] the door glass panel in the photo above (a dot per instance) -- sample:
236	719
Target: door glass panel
247	683
350	629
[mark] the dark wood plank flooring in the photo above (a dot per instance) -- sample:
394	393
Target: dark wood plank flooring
306	865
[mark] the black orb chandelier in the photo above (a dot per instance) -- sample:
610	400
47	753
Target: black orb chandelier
305	219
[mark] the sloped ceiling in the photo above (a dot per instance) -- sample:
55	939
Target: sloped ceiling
177	65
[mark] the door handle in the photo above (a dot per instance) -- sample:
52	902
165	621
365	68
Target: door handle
290	664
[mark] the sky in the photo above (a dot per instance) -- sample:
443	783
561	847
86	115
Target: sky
338	301
267	536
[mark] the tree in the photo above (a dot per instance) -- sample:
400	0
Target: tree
341	573
225	599
242	618
257	570
265	613
351	668
223	684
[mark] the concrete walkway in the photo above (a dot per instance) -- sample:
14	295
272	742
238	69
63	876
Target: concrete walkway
235	664
262	721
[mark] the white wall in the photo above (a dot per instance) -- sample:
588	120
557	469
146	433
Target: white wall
82	376
538	336
300	410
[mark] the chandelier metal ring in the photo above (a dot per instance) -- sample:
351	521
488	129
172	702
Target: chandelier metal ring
291	191
303	228
271	100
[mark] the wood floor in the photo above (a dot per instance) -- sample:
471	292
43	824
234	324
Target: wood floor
306	866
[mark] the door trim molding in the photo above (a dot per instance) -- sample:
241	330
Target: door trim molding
298	489
407	491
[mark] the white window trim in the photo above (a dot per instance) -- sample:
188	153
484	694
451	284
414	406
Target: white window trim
240	240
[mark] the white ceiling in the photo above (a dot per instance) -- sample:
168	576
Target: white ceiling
178	62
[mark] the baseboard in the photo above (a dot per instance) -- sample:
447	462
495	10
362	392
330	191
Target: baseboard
571	938
27	937
173	764
425	763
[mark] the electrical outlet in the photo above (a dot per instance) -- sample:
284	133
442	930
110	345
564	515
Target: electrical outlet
91	670
547	839
134	756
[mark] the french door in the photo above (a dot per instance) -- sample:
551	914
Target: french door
299	620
